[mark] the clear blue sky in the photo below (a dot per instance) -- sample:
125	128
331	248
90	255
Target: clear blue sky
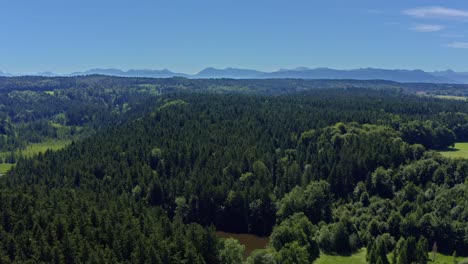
64	36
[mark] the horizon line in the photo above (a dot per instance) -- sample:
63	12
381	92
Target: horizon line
298	68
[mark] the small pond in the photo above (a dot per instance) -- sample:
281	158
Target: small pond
251	242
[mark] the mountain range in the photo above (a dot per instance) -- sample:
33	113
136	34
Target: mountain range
397	75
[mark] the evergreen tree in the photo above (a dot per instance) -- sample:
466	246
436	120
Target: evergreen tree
422	251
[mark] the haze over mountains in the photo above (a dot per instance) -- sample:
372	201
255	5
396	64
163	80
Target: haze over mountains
397	75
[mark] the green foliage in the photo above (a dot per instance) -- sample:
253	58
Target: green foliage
294	235
261	257
421	251
409	250
231	252
314	201
345	153
377	253
382	183
334	168
429	134
293	253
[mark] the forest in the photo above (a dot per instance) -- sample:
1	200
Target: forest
155	166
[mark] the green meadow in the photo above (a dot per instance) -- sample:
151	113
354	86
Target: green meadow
451	97
460	150
357	258
443	259
360	258
42	147
32	150
4	167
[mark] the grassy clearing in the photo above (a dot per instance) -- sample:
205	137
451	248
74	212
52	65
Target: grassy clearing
32	150
360	258
443	259
42	147
459	151
357	258
228	89
451	97
37	148
175	102
4	167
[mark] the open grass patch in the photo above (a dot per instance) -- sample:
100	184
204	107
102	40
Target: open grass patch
356	258
360	258
36	148
445	259
171	103
4	167
451	97
42	147
460	150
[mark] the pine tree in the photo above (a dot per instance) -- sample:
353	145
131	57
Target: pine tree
382	252
421	251
402	251
380	261
372	252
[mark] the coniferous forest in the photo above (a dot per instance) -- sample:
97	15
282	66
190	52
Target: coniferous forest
155	166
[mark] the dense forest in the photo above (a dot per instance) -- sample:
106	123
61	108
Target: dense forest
36	109
159	164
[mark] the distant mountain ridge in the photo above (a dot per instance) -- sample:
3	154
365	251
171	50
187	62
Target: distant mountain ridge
229	73
5	74
165	73
396	75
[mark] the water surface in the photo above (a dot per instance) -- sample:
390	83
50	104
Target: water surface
251	242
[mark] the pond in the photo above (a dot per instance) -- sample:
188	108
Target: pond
251	242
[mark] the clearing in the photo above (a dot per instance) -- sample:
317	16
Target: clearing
459	151
32	150
4	167
360	258
451	97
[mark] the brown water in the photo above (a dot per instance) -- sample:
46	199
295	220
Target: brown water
251	242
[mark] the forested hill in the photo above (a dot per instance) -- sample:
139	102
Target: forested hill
177	84
255	86
322	171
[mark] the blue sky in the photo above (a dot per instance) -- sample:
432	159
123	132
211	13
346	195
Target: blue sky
64	36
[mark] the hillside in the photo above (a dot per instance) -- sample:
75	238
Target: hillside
346	172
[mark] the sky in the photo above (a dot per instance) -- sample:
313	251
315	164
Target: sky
64	36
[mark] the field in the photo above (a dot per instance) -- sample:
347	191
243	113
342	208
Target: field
459	151
360	258
4	167
32	150
356	258
42	147
451	97
443	259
